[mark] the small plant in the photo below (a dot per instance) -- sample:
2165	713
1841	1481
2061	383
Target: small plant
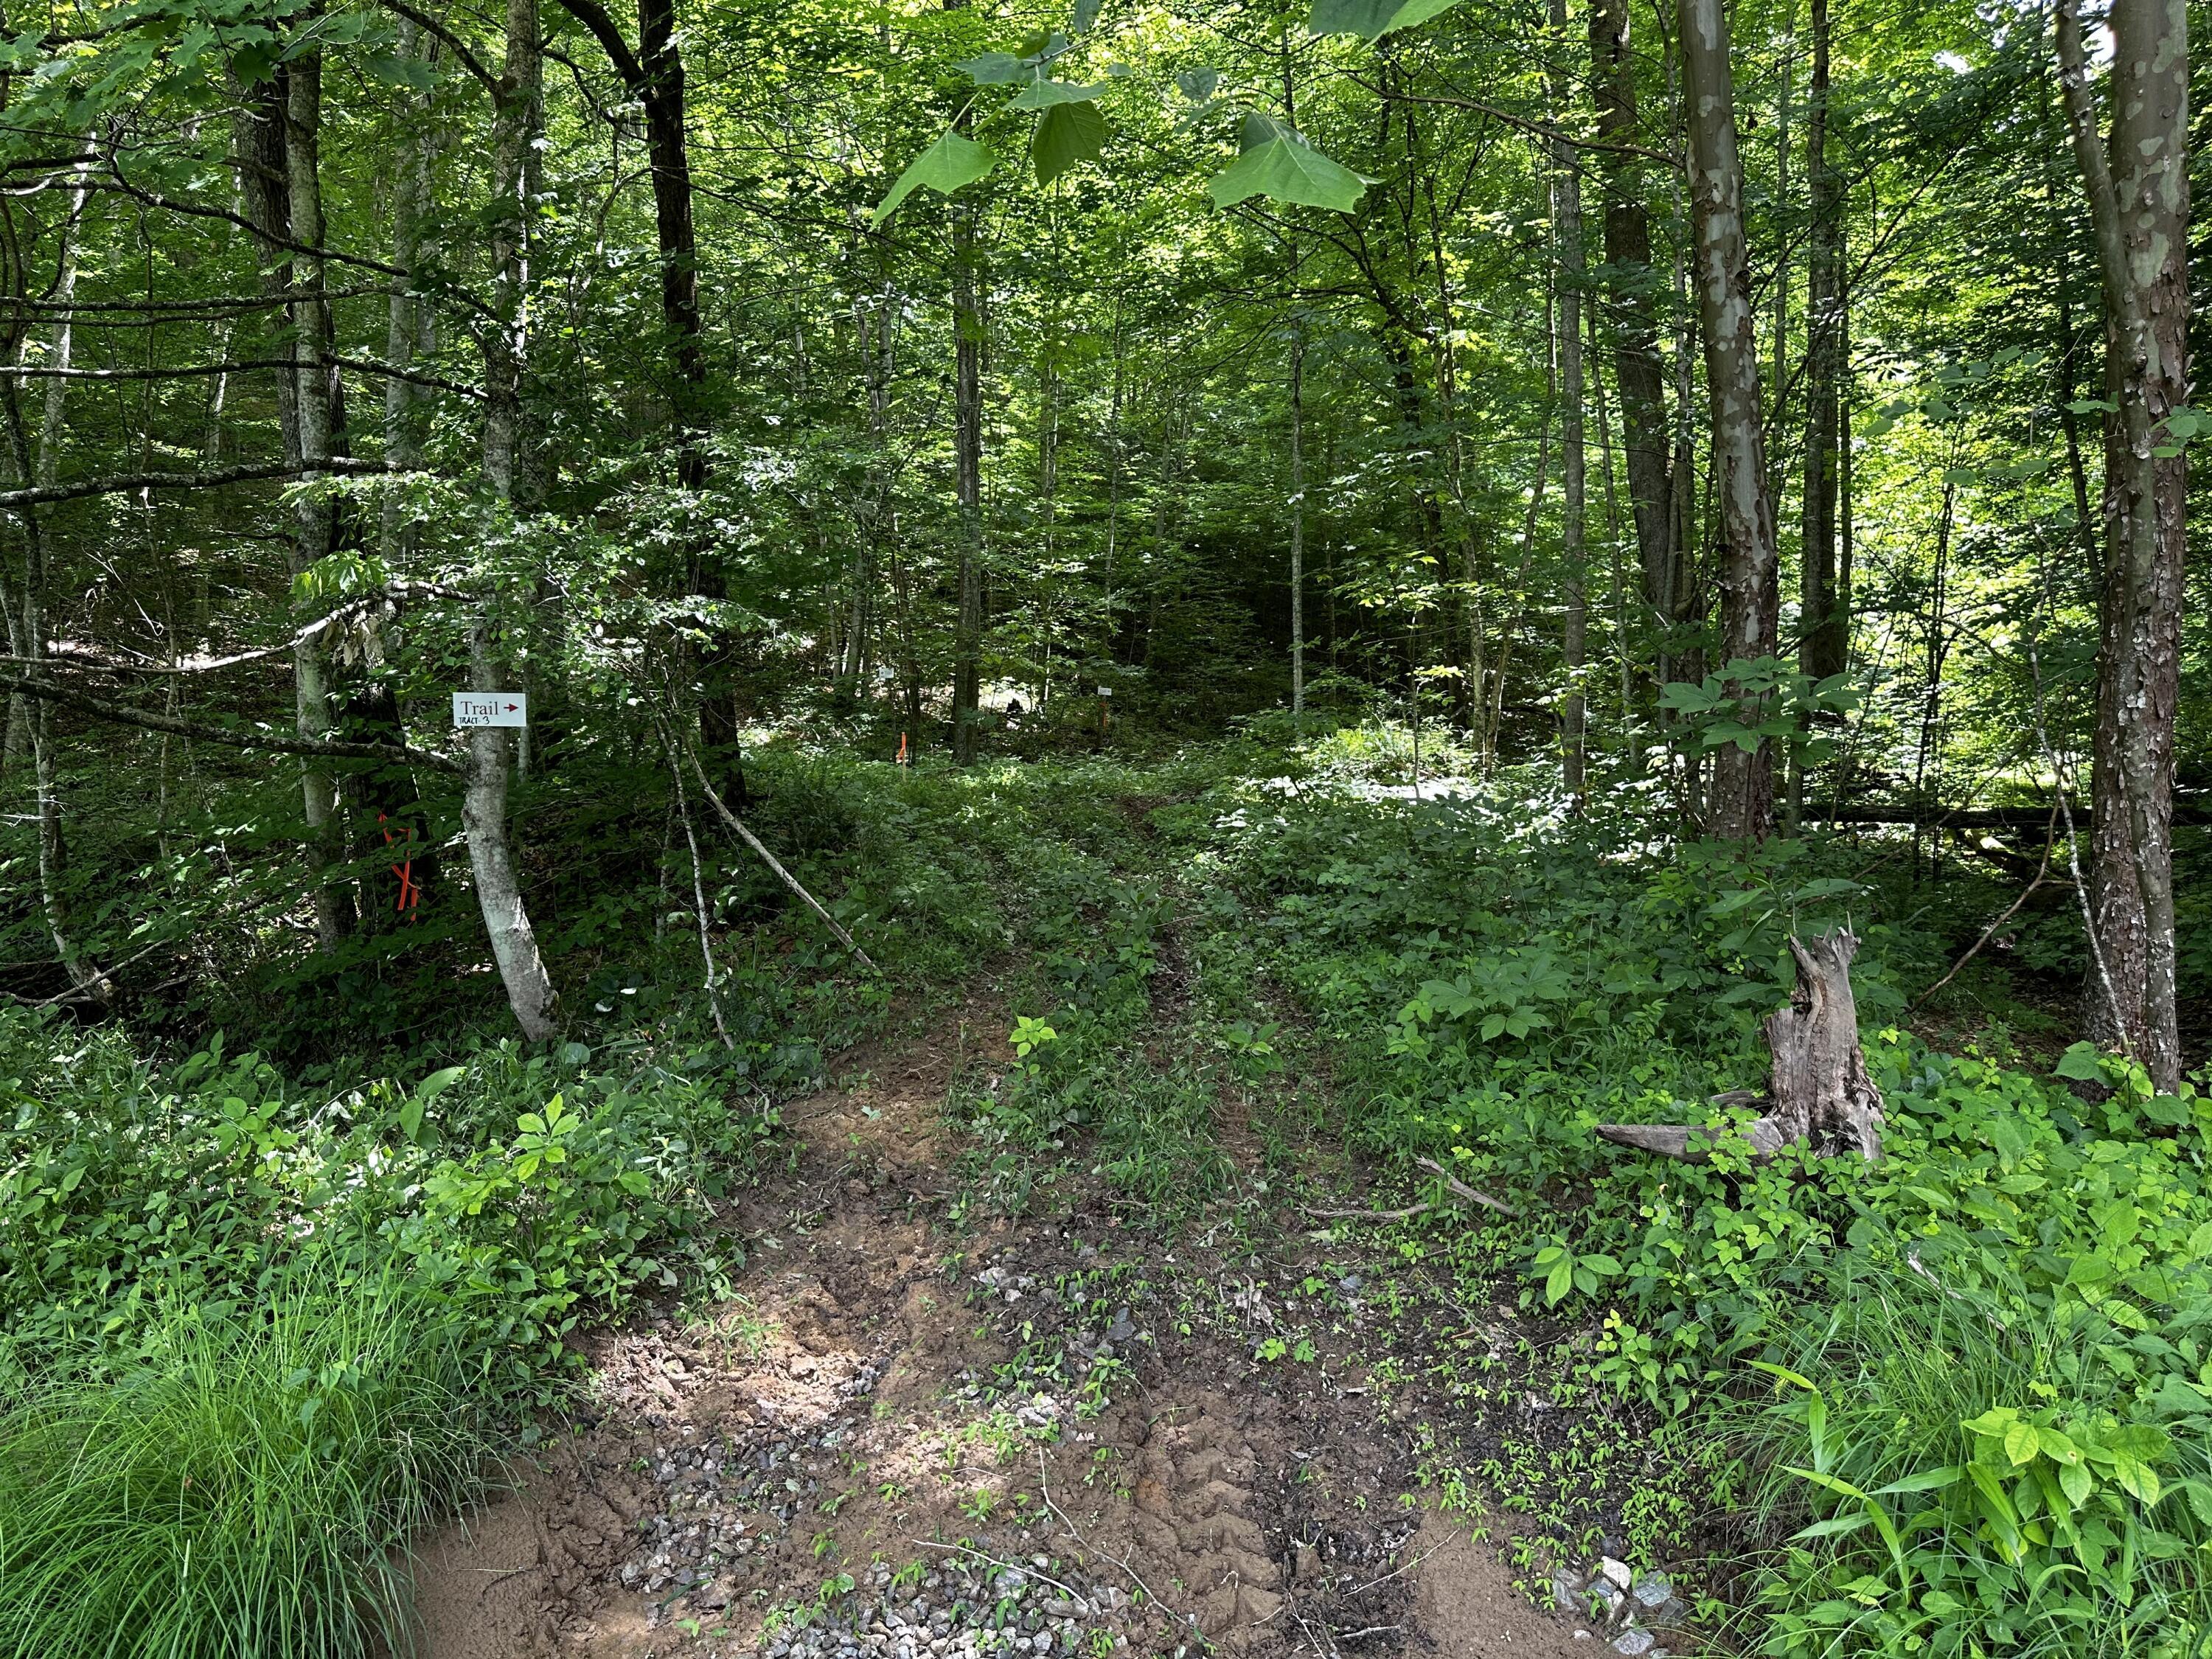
1564	1271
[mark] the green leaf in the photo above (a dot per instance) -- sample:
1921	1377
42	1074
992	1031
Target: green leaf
2020	1443
1198	84
995	68
1926	1480
1372	20
2136	1478
1044	94
1066	134
2080	1063
944	166
1559	1281
1086	13
2078	1483
1285	170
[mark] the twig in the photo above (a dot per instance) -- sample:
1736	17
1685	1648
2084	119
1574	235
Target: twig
1368	1215
698	892
1403	1567
1463	1189
1044	1487
789	880
1075	1595
2050	840
2074	854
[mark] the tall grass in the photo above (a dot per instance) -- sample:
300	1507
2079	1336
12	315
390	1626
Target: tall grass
242	1489
1899	1370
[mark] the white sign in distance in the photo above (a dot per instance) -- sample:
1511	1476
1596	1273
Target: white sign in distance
476	708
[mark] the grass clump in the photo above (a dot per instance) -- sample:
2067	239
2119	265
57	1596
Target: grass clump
1961	1474
242	1487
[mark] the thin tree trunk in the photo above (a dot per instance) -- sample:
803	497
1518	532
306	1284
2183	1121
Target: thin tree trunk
1297	526
968	485
1825	626
1742	794
44	469
484	802
1630	310
315	526
1567	228
2137	185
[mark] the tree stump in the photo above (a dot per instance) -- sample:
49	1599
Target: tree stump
1820	1094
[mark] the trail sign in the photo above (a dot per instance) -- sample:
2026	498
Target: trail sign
475	708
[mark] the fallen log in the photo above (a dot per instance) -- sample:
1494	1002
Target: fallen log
1820	1094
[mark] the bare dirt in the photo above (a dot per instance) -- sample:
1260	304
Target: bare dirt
896	1440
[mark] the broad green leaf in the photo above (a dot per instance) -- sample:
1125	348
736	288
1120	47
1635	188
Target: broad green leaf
1372	20
2078	1483
1198	84
1559	1281
2020	1443
1086	13
1283	170
995	69
1066	134
944	166
1043	94
2136	1477
2079	1063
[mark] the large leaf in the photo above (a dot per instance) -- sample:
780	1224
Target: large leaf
944	166
1371	20
1066	134
1285	170
1043	94
995	69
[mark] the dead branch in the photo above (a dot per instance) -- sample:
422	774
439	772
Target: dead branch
737	828
277	743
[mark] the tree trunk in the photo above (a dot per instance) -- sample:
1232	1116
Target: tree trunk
483	802
2137	185
1742	792
314	535
1567	229
1826	625
1820	1094
1630	310
1298	525
968	485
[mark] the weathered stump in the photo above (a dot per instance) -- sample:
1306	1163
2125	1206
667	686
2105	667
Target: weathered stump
1820	1094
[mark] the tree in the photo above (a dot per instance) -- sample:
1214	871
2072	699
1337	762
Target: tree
1741	806
2136	181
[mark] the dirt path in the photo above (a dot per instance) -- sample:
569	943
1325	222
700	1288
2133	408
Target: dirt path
900	1440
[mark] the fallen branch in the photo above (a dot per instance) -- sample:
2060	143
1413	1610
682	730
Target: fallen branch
175	726
1370	1215
2050	842
1463	1189
737	828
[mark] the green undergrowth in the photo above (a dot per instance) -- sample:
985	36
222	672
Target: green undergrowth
1486	980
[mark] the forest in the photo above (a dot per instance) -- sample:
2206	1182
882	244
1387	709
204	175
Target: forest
1355	828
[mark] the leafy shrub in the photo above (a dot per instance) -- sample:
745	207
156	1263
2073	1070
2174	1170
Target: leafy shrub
241	1483
516	1190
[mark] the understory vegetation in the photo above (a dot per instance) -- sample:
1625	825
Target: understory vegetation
1957	1401
1536	653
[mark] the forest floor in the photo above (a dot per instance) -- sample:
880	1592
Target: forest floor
872	1447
